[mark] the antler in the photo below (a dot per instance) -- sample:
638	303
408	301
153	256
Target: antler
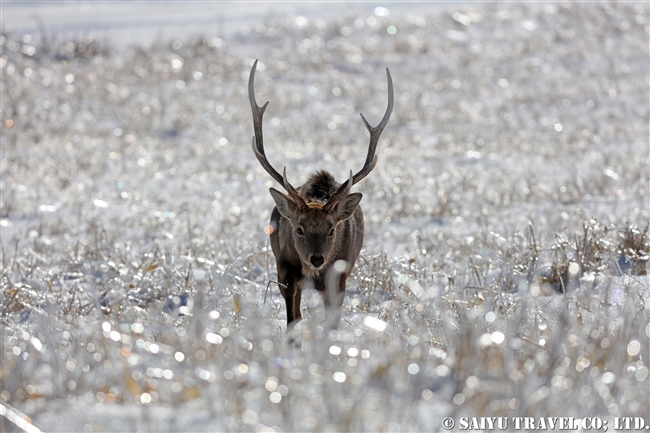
371	158
258	143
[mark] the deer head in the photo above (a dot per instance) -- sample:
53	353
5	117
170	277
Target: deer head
315	226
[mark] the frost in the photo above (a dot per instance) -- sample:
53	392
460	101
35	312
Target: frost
505	263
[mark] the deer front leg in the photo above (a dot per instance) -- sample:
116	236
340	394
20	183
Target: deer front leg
291	279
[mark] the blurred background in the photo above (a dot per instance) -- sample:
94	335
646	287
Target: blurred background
504	270
144	21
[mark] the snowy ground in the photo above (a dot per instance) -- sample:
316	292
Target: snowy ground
505	263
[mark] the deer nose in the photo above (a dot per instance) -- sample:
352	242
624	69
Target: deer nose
317	260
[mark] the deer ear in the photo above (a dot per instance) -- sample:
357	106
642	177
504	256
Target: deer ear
285	205
346	207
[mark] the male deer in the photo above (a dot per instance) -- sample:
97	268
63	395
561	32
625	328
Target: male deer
317	230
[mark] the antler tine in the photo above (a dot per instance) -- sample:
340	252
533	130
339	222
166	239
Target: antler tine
339	194
371	158
293	194
375	133
258	142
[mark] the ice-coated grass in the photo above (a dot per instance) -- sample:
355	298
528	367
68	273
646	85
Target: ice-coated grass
505	263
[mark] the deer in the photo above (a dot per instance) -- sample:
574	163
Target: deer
316	230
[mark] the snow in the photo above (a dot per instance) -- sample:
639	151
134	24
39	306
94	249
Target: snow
504	271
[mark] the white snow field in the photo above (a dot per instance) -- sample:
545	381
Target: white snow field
505	268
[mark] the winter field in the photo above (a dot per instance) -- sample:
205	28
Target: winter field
506	255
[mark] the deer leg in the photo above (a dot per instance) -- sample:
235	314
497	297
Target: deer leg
291	277
297	314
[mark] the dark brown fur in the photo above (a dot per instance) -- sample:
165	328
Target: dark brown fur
318	228
345	245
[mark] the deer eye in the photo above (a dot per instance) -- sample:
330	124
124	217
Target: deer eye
300	231
331	232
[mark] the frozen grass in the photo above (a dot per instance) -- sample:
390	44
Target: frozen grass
505	268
